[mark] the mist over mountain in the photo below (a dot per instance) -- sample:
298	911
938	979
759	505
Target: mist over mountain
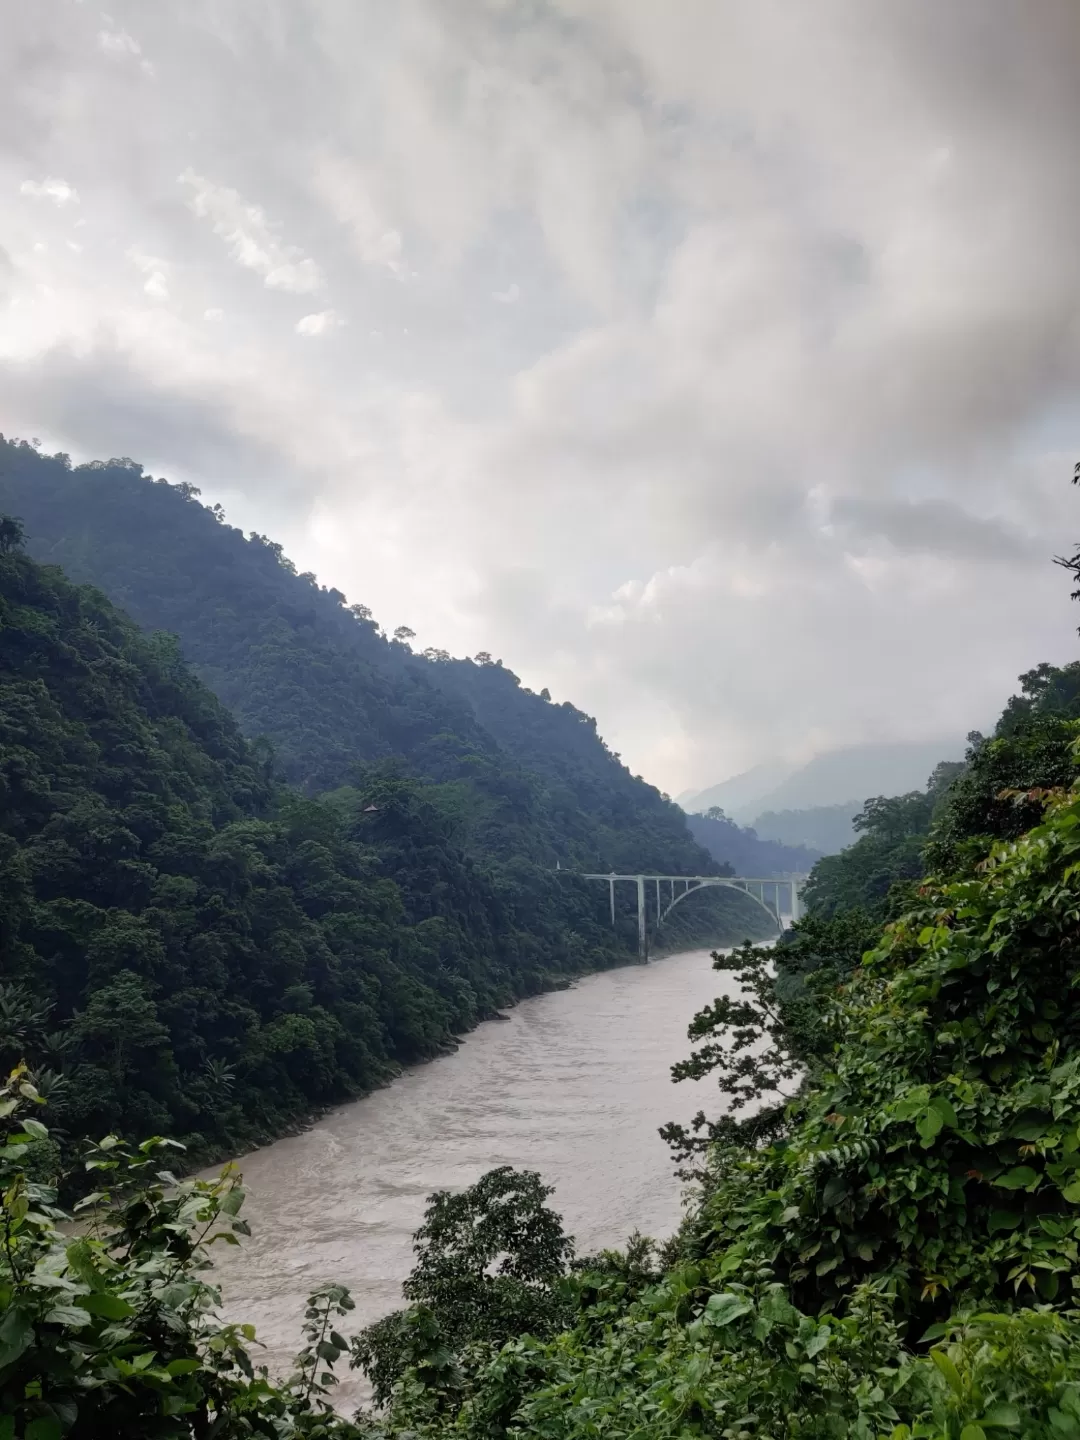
826	829
846	777
740	794
751	854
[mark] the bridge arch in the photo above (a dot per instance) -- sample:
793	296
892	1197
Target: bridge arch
728	884
691	884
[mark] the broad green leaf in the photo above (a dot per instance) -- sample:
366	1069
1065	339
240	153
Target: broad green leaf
723	1309
1018	1178
1031	1128
110	1306
973	1432
943	1107
1004	1416
929	1125
45	1427
232	1202
1003	1220
818	1341
183	1367
16	1335
67	1315
913	1103
836	1190
1048	1283
948	1369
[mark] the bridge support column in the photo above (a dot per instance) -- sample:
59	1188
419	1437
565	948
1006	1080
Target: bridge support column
641	941
795	907
612	887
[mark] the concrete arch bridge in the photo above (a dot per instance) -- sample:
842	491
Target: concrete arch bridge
671	890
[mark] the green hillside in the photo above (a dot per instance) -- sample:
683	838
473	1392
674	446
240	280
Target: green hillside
521	784
885	1210
187	946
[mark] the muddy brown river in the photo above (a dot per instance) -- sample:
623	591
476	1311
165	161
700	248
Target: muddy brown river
573	1084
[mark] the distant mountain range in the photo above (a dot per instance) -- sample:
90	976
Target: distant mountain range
844	777
827	829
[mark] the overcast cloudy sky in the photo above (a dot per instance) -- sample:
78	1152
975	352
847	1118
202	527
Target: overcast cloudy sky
714	363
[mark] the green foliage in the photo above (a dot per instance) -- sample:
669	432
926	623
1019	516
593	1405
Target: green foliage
188	948
1001	791
887	1221
897	1255
876	874
109	1323
996	794
517	783
489	1265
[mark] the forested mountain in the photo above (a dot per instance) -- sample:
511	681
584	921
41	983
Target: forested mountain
210	952
834	777
748	852
522	783
192	948
882	1235
295	663
824	828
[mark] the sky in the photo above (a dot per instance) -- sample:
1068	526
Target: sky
714	363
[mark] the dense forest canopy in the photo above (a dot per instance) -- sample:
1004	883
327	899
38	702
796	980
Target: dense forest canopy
884	1235
190	946
886	1217
522	783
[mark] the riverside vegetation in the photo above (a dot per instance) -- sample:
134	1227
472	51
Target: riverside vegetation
213	936
886	1249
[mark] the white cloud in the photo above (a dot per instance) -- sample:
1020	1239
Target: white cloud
118	42
776	454
252	239
156	284
58	191
319	324
214	314
121	45
348	194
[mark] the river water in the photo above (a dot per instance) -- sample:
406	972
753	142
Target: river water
573	1084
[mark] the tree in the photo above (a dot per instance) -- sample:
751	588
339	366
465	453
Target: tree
12	534
489	1262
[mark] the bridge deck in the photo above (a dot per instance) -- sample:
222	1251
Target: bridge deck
692	879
